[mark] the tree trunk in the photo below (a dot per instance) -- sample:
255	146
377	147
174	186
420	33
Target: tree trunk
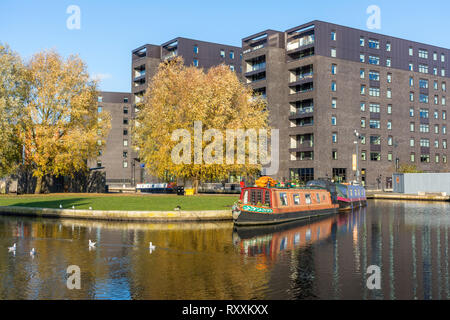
195	185
38	189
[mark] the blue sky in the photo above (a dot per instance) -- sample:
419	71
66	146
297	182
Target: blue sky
111	29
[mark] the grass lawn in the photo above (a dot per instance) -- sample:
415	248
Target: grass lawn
122	201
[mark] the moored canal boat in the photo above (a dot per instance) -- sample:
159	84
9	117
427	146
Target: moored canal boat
271	205
348	196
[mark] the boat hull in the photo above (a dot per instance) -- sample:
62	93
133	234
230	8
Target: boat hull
350	205
247	218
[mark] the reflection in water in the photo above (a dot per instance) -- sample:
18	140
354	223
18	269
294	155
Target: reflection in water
318	259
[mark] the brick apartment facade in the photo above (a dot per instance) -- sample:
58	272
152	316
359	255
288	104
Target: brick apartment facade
116	157
323	81
146	59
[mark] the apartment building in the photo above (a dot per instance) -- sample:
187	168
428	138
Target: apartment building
323	81
116	158
202	54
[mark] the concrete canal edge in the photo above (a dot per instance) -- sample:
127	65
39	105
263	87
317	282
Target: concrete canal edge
401	196
145	216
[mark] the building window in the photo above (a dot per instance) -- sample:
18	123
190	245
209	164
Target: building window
423	68
411	51
125	132
424	128
436	128
374	92
334	155
424	113
374	75
443	102
99	109
363	139
411	96
333	120
333	35
389	77
388	62
363	156
442	57
125	100
389	157
423	54
333	86
125	121
423	98
389	93
444	144
196	49
363	123
425	158
436	158
374	108
361	42
435	56
411	127
195	63
374	44
412	157
334	137
231	54
374	60
374	124
411	67
362	106
389	141
435	71
363	89
375	156
222	53
444	158
436	99
100	99
389	109
444	115
99	142
443	86
231	67
436	144
333	69
362	58
388	46
333	52
125	154
423	84
411	142
333	103
125	143
125	164
362	74
125	110
389	125
443	73
411	81
99	163
411	112
436	114
444	129
425	143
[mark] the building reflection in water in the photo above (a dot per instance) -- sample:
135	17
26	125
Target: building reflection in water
318	259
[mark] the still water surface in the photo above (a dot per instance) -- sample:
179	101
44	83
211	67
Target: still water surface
321	259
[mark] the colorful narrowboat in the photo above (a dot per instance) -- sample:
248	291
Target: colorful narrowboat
271	205
348	196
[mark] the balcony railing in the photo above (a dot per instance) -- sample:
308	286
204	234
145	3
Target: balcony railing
303	76
302	111
303	90
298	43
257	67
254	48
170	55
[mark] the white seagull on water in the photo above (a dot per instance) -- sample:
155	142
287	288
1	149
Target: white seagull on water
91	244
151	247
12	249
32	252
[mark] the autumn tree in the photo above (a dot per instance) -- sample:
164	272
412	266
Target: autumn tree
13	97
60	129
180	96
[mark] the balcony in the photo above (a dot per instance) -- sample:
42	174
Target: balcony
300	43
170	55
252	49
301	79
305	112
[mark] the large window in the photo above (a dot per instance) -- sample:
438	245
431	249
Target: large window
423	84
375	140
302	174
375	156
374	108
375	44
374	75
374	92
375	124
423	68
423	98
423	53
374	60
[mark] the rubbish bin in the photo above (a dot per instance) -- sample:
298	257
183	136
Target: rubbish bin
180	190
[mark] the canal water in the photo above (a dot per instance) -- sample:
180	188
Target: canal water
320	259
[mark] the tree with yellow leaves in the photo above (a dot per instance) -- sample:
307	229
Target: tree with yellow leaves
13	97
60	128
180	97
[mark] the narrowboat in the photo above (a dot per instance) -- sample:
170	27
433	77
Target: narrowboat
348	196
271	205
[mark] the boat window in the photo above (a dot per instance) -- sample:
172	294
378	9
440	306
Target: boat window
283	198
323	198
318	198
256	196
296	199
267	198
245	200
308	198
